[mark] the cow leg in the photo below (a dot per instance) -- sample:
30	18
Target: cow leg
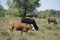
26	32
21	33
11	29
48	22
55	22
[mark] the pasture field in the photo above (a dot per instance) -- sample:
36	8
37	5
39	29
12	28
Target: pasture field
46	31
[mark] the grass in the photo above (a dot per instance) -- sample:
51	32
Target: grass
23	38
46	31
48	27
4	33
57	28
9	38
55	34
31	33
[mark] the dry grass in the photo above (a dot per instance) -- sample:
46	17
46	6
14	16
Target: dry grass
46	31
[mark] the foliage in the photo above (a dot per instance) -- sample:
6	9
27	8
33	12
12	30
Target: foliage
22	6
1	11
49	13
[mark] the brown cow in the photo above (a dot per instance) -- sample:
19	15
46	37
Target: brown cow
19	26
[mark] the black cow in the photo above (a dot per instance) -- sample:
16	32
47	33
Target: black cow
30	21
52	20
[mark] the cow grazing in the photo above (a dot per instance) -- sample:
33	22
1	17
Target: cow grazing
30	21
52	20
19	26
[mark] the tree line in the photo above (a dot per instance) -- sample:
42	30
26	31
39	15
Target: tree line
49	13
27	8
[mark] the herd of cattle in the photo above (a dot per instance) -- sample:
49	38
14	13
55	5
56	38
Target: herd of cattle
26	24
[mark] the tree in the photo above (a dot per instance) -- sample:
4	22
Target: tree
1	8
52	13
26	6
1	11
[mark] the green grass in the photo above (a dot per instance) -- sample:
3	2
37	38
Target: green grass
4	33
48	27
46	31
57	28
9	38
55	34
31	33
23	38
